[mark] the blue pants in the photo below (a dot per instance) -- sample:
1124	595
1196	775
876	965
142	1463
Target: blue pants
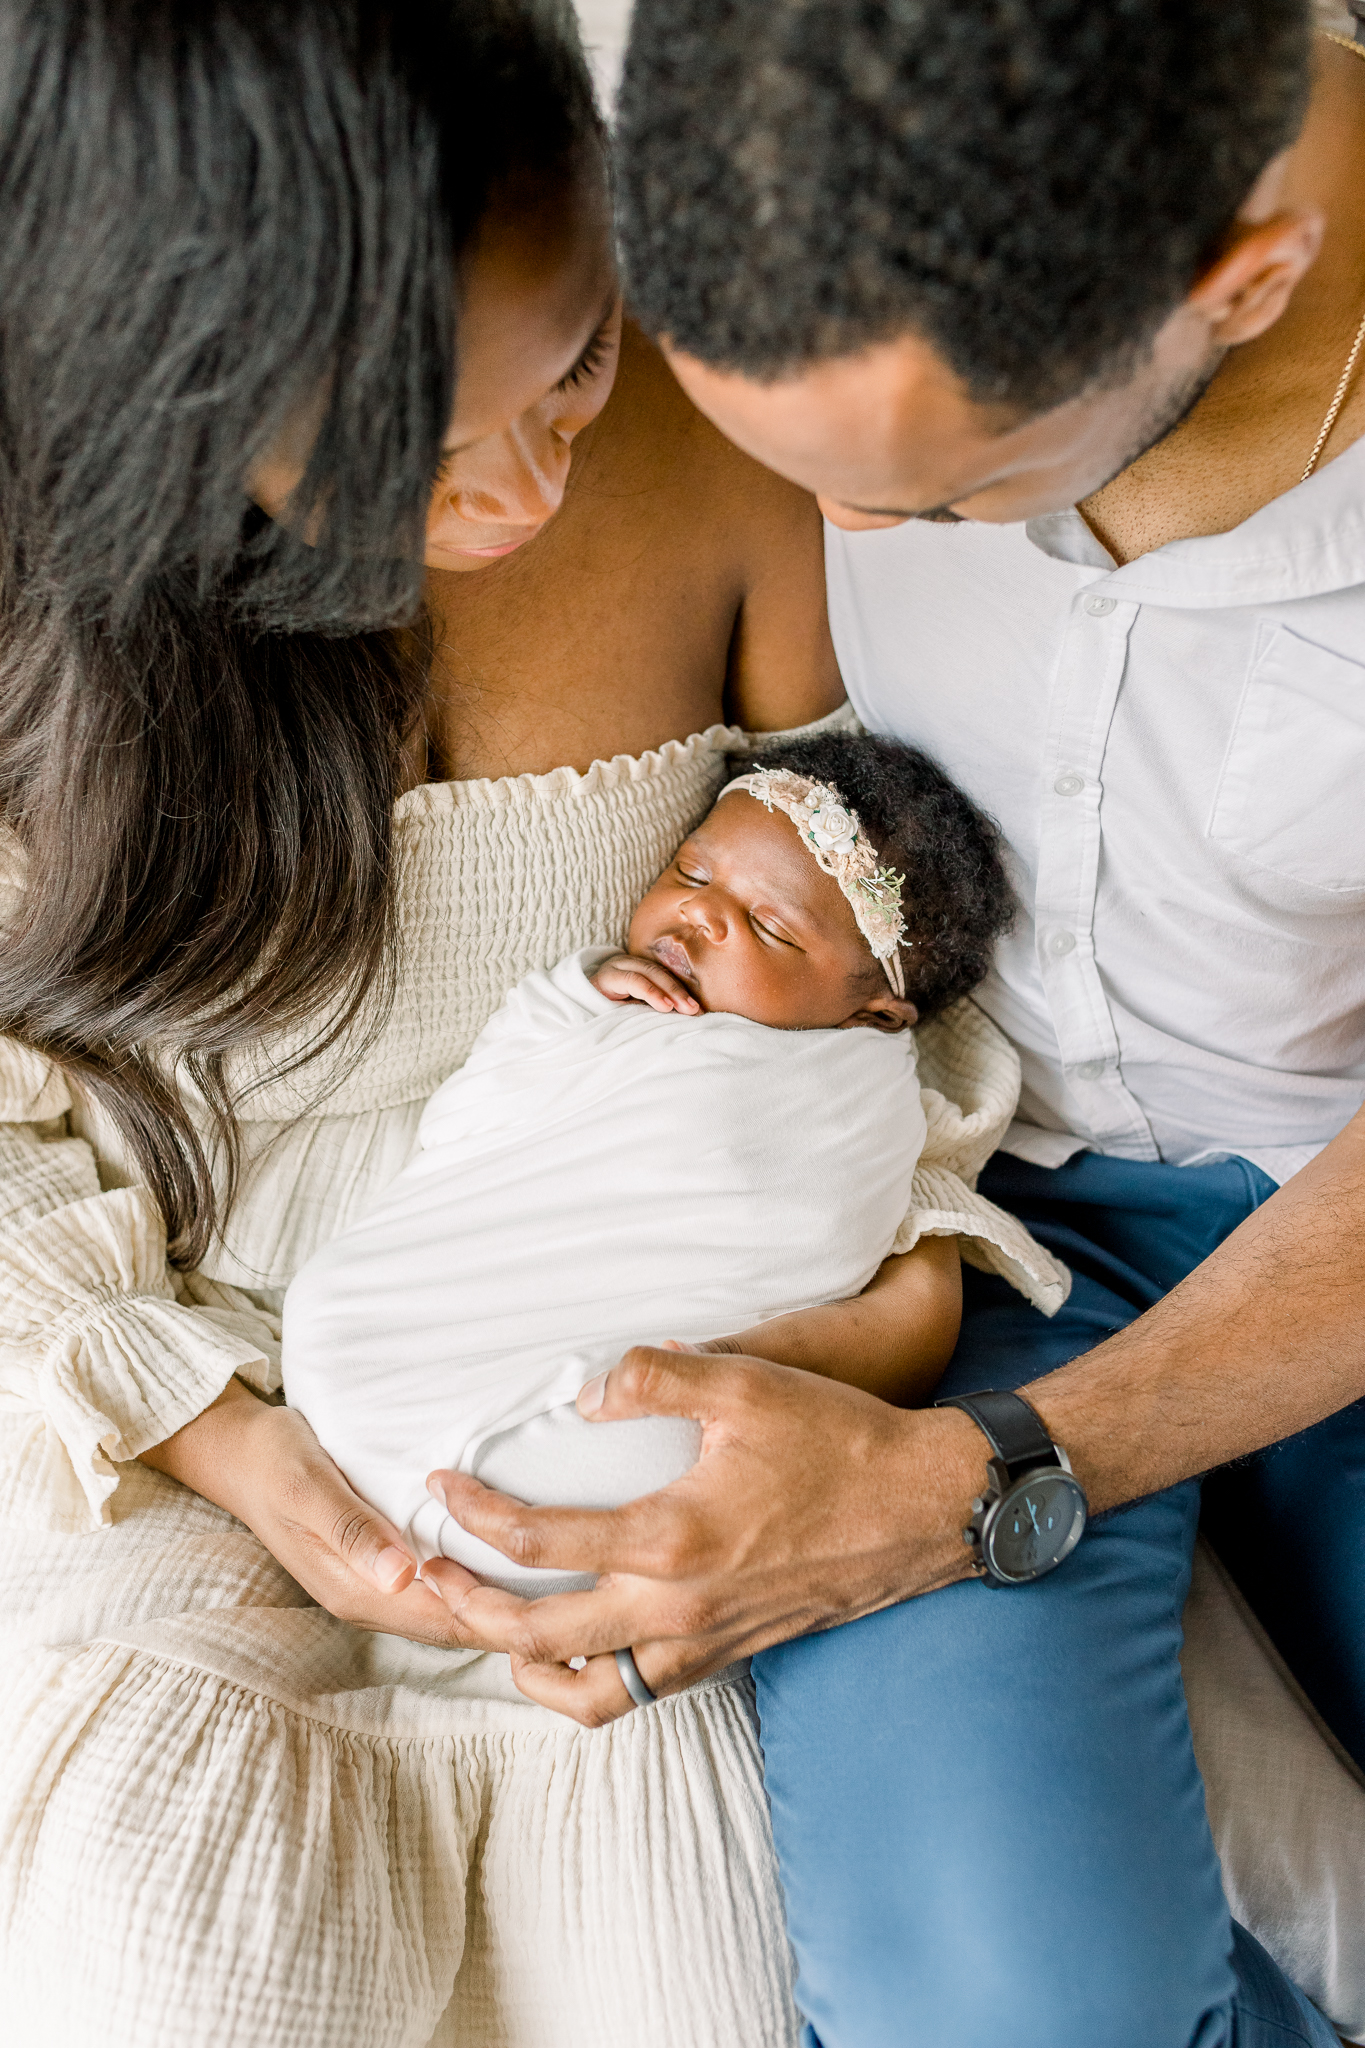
988	1816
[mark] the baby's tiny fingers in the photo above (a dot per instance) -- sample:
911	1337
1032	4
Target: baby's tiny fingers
658	988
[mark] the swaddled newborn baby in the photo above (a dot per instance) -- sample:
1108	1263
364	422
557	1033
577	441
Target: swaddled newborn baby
717	1127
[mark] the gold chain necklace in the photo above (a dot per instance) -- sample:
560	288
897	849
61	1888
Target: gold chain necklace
1339	395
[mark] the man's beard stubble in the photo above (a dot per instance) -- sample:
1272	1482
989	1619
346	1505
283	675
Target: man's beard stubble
1169	410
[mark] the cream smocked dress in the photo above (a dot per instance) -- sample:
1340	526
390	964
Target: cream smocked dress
228	1820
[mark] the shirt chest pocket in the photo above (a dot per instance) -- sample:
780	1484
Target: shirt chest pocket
1291	796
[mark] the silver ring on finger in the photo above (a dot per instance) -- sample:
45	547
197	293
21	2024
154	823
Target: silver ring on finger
632	1681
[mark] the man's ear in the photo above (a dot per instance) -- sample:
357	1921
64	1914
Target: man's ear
1248	285
884	1013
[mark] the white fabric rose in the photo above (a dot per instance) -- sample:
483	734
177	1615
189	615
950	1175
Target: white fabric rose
833	829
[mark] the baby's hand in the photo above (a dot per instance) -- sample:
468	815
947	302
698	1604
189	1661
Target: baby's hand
628	979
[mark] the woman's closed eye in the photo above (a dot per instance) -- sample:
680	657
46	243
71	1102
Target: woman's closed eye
591	360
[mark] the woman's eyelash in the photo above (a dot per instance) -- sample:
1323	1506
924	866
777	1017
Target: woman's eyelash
589	363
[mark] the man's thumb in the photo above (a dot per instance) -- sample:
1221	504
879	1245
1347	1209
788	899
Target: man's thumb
649	1382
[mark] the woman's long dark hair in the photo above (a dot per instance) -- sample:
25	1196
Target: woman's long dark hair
214	216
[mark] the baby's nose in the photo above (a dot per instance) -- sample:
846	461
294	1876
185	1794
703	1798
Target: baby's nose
706	912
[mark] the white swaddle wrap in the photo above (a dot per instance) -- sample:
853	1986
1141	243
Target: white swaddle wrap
597	1174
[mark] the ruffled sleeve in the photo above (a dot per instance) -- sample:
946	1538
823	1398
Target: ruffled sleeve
969	1084
104	1351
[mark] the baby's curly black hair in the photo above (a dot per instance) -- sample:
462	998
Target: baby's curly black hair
957	900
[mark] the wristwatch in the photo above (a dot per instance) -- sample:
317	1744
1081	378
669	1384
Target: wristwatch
1033	1513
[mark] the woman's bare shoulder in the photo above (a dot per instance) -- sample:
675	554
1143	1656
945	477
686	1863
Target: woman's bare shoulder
731	524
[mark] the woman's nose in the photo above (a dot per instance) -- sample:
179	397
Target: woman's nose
521	484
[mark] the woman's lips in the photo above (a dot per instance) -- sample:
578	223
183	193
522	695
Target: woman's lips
506	547
671	954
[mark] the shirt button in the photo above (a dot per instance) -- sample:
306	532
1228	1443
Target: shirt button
1069	784
1100	607
1090	1070
1061	943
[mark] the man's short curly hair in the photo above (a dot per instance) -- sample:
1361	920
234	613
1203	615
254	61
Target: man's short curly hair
1030	185
957	900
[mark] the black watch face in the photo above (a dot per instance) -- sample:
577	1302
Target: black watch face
1036	1525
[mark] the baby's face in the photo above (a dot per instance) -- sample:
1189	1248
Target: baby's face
750	924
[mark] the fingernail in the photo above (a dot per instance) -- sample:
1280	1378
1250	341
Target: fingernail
390	1566
590	1397
436	1490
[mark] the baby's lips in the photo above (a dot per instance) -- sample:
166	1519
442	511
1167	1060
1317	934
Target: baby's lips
671	954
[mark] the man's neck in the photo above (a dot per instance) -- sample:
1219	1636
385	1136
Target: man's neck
1249	437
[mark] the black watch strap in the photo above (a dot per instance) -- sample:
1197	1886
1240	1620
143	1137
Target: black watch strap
1011	1428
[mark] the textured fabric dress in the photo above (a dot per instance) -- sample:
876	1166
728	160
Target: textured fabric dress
228	1820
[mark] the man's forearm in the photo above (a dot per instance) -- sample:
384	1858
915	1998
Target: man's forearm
1262	1340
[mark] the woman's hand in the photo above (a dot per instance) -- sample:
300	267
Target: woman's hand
265	1466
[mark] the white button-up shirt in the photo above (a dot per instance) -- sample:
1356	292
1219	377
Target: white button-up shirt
1176	752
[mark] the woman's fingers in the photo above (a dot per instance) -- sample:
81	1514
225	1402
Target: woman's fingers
592	1696
369	1545
365	1541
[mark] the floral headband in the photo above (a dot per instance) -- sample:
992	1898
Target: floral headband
834	835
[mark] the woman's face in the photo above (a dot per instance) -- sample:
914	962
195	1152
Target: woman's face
540	332
539	335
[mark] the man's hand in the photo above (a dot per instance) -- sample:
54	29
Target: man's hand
812	1503
266	1467
628	979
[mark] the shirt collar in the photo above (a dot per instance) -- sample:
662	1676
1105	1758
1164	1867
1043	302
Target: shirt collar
1308	541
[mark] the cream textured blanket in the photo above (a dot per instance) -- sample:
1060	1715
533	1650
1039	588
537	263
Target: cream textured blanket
596	1174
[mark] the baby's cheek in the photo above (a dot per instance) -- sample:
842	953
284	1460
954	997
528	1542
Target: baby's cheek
645	924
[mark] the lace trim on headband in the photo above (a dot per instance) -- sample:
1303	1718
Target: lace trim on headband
833	833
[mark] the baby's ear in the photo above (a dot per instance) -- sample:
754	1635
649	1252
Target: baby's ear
884	1013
